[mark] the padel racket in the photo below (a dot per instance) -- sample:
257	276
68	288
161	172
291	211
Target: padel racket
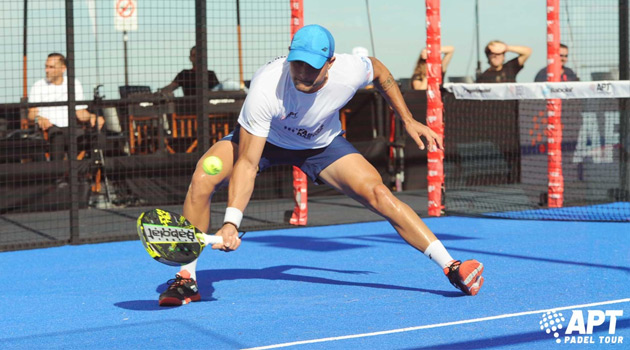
171	239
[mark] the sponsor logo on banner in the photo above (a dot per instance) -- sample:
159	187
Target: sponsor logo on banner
564	89
553	92
477	90
604	88
581	325
517	91
561	90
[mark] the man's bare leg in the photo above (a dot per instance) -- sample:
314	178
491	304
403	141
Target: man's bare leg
354	176
357	178
202	186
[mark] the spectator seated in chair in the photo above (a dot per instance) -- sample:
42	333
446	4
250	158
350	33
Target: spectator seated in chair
54	120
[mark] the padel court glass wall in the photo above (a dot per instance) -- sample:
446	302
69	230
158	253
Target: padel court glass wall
144	155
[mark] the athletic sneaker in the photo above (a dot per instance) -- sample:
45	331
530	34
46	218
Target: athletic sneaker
181	290
465	276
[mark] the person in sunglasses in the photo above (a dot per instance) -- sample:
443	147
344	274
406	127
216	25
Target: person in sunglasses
567	73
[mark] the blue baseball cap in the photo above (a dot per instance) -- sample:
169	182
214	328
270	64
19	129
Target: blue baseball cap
312	44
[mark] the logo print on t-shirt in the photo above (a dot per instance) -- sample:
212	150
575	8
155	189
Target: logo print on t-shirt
292	115
305	133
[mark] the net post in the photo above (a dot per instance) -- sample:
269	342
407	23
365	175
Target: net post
300	185
435	158
624	116
201	101
72	125
624	41
240	45
555	187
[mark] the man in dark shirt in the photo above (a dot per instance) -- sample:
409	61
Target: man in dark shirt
567	73
498	72
186	78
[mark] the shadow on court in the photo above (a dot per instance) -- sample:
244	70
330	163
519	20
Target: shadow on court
310	243
206	279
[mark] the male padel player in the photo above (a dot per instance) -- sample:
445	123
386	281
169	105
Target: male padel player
291	116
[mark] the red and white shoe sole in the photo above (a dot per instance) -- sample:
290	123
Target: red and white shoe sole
473	280
474	289
178	302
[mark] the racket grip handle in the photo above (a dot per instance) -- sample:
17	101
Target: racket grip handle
212	239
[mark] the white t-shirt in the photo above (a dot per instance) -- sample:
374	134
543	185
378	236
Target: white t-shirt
43	91
295	120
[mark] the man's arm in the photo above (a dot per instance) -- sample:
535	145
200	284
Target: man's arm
241	186
250	148
41	121
83	115
388	87
170	87
523	52
32	113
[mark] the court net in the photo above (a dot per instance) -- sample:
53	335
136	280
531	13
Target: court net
497	159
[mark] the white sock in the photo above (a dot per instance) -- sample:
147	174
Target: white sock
438	254
192	268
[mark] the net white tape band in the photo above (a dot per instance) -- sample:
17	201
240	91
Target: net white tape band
541	91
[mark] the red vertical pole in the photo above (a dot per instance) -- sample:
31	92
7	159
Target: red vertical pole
555	194
435	158
300	184
297	15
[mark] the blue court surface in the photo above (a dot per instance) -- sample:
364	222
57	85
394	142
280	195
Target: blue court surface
357	286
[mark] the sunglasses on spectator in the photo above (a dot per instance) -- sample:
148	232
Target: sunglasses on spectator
564	56
496	54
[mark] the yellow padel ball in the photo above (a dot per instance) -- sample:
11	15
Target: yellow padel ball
212	165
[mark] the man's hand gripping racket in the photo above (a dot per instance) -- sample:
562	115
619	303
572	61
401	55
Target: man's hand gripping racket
172	240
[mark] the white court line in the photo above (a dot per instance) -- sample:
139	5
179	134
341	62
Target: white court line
409	329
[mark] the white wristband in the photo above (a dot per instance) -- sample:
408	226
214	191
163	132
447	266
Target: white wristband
233	216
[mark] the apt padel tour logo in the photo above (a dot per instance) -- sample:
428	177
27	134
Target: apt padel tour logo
578	328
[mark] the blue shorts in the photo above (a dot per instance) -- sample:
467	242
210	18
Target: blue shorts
311	161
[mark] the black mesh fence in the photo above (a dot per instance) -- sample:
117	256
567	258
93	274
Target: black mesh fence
596	35
139	127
